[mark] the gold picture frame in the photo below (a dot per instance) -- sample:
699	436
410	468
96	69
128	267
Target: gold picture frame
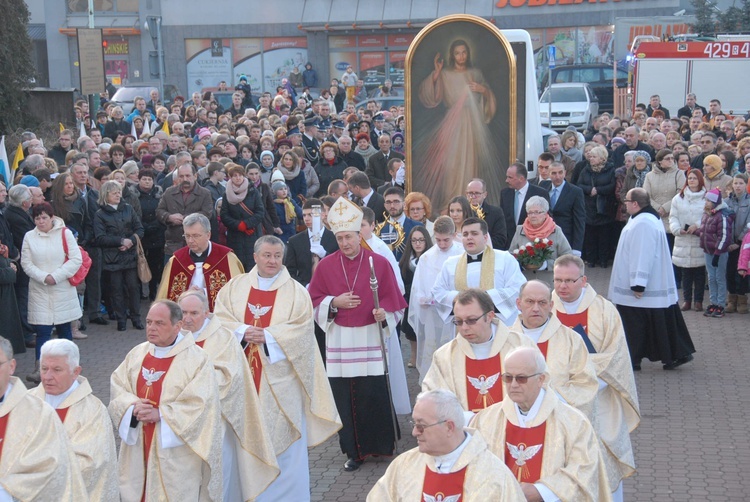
454	134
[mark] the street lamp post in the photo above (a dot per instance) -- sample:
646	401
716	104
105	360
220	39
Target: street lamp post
154	23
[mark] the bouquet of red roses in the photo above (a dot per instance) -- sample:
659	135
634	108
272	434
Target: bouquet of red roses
532	255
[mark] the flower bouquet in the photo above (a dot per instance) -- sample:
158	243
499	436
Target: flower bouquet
532	255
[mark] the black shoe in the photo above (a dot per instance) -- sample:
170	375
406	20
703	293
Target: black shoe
122	325
99	320
112	316
138	324
679	362
591	265
603	265
636	367
30	344
352	465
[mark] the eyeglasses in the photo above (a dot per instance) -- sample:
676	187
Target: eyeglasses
536	212
470	321
417	241
521	379
192	237
421	427
567	281
474	194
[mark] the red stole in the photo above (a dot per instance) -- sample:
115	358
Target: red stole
580	324
3	426
524	450
62	413
443	486
148	386
216	272
258	314
543	348
483	386
201	343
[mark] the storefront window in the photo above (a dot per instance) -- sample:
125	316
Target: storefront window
82	6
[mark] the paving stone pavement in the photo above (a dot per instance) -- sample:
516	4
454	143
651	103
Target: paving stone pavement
692	443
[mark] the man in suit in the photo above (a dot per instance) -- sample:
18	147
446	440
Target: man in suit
513	199
397	171
305	250
567	207
377	165
476	192
365	196
543	163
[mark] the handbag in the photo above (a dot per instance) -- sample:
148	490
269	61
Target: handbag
80	275
144	272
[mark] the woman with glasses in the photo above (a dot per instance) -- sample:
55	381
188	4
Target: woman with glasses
417	243
418	207
540	225
684	221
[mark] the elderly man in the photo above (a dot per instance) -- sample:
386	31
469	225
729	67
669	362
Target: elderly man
554	148
572	374
580	308
631	143
36	459
178	202
345	309
85	418
644	290
549	446
476	192
202	265
471	364
431	330
449	463
248	461
164	400
377	164
271	314
20	222
480	266
349	156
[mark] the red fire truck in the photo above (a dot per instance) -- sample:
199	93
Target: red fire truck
710	69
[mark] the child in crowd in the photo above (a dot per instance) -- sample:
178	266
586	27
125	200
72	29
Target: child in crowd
715	237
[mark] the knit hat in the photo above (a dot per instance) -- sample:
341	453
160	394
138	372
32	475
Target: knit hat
277	185
266	153
714	195
713	161
30	181
277	176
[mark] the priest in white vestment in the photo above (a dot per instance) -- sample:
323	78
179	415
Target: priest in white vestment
596	319
449	462
164	400
424	317
248	460
571	374
271	315
36	459
480	266
550	447
83	415
471	364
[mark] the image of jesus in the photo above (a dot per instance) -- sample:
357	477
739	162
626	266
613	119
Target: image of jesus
460	147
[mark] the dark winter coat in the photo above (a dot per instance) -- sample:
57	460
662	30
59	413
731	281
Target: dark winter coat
327	173
111	226
233	215
715	231
600	209
153	229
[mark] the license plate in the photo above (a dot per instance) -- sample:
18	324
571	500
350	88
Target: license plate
559	122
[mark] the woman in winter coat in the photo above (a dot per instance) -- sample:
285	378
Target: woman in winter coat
739	203
684	221
364	147
662	184
311	177
242	213
149	195
53	301
597	180
291	167
116	226
330	166
716	235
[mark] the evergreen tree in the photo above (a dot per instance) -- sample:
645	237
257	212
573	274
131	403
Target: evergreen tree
729	20
15	61
704	22
745	16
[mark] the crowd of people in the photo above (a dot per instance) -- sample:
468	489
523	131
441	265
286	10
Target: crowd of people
264	230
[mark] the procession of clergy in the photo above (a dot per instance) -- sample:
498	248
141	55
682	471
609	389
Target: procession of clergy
528	391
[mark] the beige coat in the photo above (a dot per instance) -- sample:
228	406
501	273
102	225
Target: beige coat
662	187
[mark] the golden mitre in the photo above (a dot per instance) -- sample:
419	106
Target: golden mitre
344	216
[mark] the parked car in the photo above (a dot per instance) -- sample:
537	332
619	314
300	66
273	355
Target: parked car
572	104
599	76
127	93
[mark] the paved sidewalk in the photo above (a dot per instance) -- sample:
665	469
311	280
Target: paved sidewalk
692	443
